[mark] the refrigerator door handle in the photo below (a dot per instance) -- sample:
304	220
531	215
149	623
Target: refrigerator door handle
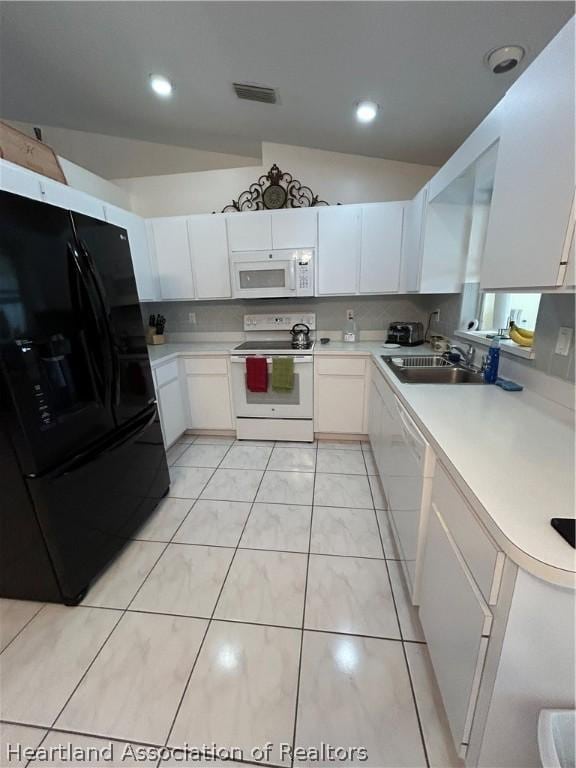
101	292
86	285
123	436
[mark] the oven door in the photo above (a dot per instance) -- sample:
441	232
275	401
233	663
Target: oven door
261	279
298	403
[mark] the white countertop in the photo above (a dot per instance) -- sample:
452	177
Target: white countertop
511	453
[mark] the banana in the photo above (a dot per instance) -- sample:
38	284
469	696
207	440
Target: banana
524	332
522	341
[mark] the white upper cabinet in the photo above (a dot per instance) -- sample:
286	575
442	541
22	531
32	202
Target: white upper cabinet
172	252
413	241
381	247
249	231
295	228
19	180
338	249
534	181
66	197
209	250
144	272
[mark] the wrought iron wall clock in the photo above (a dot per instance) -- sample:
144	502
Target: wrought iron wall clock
274	190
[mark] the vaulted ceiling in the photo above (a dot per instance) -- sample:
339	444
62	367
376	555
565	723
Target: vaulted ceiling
85	66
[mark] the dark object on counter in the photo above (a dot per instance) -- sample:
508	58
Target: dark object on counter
81	450
508	386
160	324
324	340
407	334
566	527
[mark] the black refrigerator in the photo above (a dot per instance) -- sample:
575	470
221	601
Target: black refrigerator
82	461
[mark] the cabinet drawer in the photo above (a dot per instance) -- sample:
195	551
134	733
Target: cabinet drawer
206	365
341	366
166	373
482	557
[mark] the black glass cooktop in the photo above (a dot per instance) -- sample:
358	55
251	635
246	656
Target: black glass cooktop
263	346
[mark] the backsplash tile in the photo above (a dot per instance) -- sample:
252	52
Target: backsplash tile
372	313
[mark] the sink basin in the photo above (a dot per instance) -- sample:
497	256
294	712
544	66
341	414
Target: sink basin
434	373
556	738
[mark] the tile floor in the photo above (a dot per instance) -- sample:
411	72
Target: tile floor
262	604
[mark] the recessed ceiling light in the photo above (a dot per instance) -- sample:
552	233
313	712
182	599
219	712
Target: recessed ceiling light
366	111
504	59
161	85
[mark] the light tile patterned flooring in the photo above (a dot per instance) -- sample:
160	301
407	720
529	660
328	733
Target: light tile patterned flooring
262	603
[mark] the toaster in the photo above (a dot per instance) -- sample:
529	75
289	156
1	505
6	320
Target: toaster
406	334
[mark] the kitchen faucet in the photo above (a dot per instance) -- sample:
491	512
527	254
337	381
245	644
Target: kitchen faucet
467	356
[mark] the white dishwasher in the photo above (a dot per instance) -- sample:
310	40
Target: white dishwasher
408	469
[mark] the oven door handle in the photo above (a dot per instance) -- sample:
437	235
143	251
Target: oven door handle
297	360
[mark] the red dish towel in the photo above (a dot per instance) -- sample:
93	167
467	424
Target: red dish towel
257	374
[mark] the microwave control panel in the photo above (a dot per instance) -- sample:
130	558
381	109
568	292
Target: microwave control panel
304	284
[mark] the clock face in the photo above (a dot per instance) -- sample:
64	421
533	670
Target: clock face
274	196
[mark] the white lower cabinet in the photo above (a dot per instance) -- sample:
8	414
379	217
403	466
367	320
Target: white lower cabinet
456	622
208	388
340	385
171	405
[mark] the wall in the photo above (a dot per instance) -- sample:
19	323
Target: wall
115	156
372	313
334	177
89	182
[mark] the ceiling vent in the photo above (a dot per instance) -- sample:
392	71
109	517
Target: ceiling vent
251	92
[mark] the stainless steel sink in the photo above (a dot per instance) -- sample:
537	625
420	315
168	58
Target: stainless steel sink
431	369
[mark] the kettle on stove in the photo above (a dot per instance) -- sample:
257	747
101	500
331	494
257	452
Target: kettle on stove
300	336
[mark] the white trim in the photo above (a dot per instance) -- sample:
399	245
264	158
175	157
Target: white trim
479	337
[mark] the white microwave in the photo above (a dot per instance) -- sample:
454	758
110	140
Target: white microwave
272	274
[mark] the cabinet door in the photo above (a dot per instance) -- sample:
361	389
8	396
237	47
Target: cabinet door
456	623
173	258
172	411
381	248
209	402
331	393
209	249
139	250
19	180
412	240
249	231
296	228
534	181
338	250
65	197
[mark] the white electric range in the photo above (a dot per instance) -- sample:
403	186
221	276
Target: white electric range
274	415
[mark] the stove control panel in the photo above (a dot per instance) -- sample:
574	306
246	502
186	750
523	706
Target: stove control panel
280	322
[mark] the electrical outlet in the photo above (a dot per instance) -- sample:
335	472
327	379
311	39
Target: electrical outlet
563	341
437	315
349	314
192	318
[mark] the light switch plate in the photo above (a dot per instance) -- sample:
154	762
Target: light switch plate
563	341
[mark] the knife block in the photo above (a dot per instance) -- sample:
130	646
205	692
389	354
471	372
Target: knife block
157	338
